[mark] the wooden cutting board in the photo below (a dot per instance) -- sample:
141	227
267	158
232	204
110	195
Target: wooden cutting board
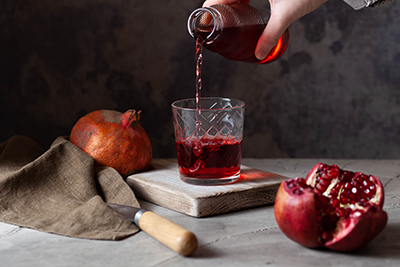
162	185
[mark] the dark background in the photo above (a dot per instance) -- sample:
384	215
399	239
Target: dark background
334	93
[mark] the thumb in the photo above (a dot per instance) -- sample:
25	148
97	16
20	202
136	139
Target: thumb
283	14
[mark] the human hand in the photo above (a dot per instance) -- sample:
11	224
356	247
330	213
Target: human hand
283	14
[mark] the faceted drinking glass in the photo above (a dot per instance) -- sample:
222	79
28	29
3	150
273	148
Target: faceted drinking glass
209	139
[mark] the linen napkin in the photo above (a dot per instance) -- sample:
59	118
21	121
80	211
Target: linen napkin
61	191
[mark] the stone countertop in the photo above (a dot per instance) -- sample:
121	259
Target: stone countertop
245	238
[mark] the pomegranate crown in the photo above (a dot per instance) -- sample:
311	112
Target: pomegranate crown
131	118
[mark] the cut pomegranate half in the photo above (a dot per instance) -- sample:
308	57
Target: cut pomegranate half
331	207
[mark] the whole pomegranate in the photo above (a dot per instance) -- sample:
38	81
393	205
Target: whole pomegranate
114	139
338	209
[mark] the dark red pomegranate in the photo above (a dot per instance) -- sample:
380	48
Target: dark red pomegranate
331	207
114	139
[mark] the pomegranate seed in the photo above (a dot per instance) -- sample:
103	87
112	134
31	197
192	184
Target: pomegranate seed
321	187
336	189
333	173
323	175
371	187
324	235
344	192
344	200
333	195
347	185
362	176
346	176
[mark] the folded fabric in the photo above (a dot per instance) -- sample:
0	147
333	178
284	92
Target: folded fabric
61	191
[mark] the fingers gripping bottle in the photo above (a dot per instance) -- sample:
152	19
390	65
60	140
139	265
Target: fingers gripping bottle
233	31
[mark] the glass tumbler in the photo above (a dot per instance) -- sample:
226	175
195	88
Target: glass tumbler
209	139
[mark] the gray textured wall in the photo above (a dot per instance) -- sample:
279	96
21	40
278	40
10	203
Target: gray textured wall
334	93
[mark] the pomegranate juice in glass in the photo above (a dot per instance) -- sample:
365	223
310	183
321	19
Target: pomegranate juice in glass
209	140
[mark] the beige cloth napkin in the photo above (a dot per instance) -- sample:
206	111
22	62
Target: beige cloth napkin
61	191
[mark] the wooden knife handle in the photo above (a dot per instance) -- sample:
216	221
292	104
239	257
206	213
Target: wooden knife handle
168	233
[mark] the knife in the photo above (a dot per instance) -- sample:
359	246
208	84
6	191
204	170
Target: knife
165	231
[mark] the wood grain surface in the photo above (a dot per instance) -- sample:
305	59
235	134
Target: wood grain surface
162	185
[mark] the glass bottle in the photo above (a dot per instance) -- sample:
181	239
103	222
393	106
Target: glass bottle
233	31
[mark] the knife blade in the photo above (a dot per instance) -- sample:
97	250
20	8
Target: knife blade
165	231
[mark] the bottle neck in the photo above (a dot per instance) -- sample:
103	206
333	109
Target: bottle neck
206	24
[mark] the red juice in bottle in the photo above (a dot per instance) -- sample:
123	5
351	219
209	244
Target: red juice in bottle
233	32
209	158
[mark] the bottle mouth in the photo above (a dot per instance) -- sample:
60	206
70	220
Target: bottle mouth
203	23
